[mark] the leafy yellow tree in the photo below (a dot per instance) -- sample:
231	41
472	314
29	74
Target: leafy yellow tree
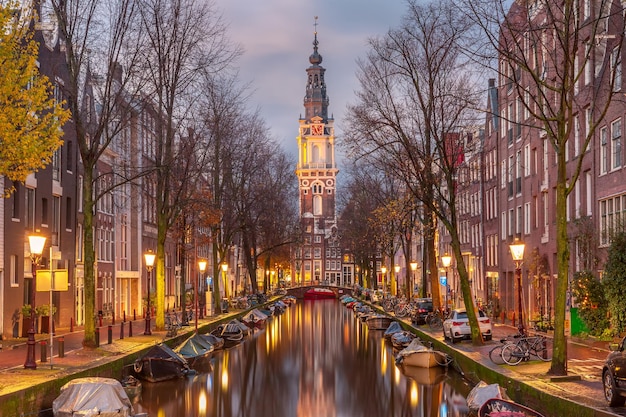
30	117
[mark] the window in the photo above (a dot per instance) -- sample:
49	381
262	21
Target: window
588	193
604	152
612	216
56	165
317	205
576	136
13	271
616	70
616	144
527	160
17	196
69	156
30	208
68	214
527	218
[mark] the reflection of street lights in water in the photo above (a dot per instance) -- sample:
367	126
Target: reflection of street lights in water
149	258
446	260
412	286
36	244
517	252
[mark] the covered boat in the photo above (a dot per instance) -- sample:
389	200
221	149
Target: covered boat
195	349
499	407
416	354
255	319
320	294
378	321
217	342
425	376
91	397
393	328
161	363
402	339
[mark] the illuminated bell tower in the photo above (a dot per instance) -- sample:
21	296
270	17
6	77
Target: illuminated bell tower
318	260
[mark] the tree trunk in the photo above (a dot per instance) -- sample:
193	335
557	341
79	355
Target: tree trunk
89	338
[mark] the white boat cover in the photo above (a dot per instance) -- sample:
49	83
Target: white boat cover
87	397
254	316
415	346
483	392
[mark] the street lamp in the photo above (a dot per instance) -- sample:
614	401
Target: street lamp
149	258
517	252
36	244
202	267
383	270
446	260
224	269
413	269
397	282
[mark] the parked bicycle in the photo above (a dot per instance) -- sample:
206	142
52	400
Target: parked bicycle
525	348
435	320
495	354
172	323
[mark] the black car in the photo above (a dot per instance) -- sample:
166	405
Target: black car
614	375
423	307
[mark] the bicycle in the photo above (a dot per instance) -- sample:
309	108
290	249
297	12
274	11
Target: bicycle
495	354
514	353
172	324
435	320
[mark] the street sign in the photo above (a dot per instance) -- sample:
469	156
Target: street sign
59	280
443	280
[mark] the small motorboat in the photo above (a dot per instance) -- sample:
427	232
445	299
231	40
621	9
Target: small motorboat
417	354
255	319
320	294
161	363
402	339
499	407
425	376
93	397
393	328
217	342
231	332
378	321
196	349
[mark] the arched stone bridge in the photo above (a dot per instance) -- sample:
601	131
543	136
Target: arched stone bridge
298	292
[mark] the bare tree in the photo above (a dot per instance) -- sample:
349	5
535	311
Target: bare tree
559	58
417	95
184	40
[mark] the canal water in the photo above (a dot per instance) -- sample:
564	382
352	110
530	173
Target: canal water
315	360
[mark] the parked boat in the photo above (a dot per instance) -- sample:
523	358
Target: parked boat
132	386
195	349
402	339
231	333
378	321
255	319
417	354
91	397
217	342
320	294
393	328
498	407
161	363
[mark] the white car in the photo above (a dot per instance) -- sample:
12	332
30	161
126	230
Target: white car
456	327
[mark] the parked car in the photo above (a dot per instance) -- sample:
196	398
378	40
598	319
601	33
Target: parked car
614	374
456	327
423	306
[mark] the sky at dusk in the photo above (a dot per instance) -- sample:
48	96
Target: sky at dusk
277	37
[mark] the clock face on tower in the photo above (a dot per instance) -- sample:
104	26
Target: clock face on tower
317	130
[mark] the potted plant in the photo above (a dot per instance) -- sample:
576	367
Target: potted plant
26	319
45	312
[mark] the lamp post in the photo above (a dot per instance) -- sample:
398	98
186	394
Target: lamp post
446	260
517	252
202	267
383	270
413	269
149	258
224	269
36	244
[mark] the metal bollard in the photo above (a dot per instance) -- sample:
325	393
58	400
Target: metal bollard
71	324
44	351
113	319
110	334
121	330
97	337
124	315
134	314
130	329
61	346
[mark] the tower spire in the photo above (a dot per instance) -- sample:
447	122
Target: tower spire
315	99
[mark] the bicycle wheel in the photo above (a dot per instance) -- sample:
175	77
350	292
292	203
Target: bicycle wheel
436	323
495	355
512	354
542	352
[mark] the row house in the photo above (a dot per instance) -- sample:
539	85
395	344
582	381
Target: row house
512	168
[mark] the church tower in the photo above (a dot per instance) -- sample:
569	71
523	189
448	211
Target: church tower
318	260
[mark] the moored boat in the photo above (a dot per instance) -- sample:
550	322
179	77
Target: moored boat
161	363
195	350
231	333
378	321
425	376
132	386
91	397
417	354
217	342
393	328
255	319
402	339
499	407
320	294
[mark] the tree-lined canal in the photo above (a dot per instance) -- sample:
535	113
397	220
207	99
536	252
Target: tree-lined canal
314	360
